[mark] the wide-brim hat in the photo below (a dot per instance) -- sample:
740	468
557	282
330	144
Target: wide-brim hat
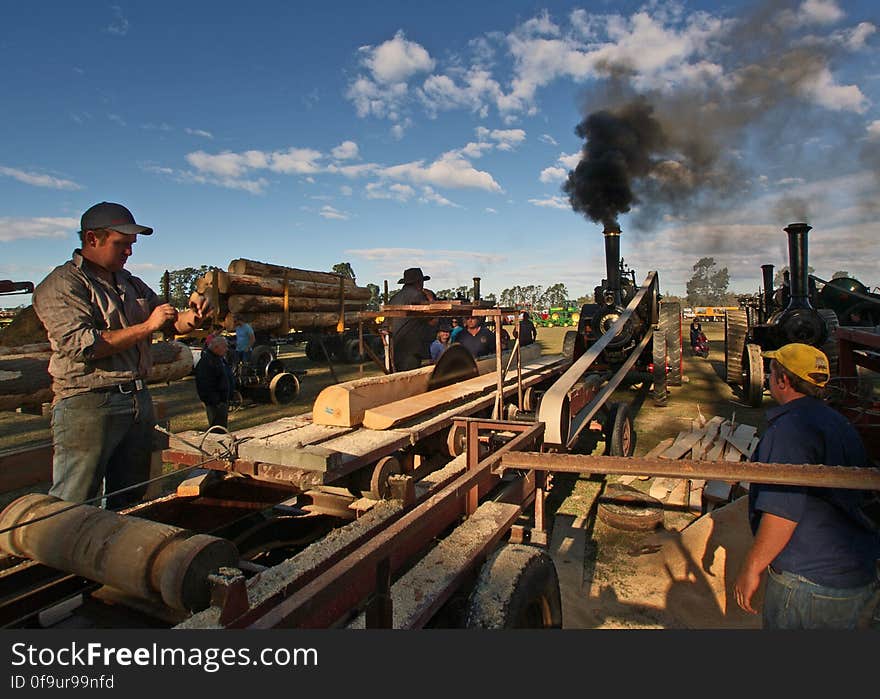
412	276
114	217
804	361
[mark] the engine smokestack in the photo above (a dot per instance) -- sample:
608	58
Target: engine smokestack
797	264
767	271
612	260
476	289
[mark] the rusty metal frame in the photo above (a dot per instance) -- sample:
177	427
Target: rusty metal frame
326	599
749	471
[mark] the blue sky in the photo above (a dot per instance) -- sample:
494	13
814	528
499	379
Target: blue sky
398	134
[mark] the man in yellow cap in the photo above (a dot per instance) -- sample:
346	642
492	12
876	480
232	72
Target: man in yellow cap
821	564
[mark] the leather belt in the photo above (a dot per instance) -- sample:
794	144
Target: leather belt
127	387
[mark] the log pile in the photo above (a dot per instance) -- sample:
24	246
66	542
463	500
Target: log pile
716	439
25	381
279	299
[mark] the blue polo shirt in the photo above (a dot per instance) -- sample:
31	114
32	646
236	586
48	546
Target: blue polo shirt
827	547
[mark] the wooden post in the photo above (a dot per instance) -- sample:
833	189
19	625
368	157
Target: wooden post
340	326
285	323
499	396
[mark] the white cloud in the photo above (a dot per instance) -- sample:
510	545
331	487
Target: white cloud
298	161
331	213
874	130
823	89
119	24
397	192
811	12
506	138
346	191
553	174
347	150
199	132
785	181
555	202
397	60
14	229
490	210
429	196
38	180
117	119
547	138
450	170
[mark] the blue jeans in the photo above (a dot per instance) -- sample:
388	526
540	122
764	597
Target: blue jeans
793	602
103	441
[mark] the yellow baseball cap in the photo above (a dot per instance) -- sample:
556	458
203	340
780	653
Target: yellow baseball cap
804	361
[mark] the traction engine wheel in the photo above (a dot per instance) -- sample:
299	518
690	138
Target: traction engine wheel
658	346
753	376
283	388
351	352
830	347
261	357
670	324
518	588
736	326
568	344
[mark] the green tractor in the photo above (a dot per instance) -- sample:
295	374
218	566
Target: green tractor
558	316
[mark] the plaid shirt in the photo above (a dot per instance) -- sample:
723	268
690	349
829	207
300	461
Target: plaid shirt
76	306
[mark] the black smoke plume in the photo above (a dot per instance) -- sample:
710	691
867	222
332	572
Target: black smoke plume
619	147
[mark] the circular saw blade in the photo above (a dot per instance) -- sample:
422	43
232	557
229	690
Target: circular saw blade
454	365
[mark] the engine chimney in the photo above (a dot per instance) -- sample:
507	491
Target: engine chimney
476	289
797	265
767	271
612	260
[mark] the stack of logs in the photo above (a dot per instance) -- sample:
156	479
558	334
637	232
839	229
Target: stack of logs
25	381
279	299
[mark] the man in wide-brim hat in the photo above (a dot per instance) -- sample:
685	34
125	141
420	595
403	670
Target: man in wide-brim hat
411	337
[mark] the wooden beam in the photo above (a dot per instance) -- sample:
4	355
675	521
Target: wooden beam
344	404
383	417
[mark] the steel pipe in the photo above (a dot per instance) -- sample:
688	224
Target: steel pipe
147	559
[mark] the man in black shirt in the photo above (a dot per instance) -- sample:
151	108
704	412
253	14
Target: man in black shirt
411	338
476	338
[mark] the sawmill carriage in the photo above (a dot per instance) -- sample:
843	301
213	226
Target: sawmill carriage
385	506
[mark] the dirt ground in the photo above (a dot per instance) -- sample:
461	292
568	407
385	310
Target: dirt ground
609	578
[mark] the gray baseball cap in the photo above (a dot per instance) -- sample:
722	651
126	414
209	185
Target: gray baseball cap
114	217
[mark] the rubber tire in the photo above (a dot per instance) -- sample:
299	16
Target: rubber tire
621	425
753	380
260	358
658	350
518	588
314	352
284	388
670	325
568	344
644	514
350	353
830	346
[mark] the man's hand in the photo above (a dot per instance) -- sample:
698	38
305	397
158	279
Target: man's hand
161	316
200	306
744	588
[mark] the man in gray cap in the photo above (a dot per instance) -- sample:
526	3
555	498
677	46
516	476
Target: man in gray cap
100	320
411	337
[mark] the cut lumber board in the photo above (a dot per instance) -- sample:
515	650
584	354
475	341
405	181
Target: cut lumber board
711	433
682	445
742	437
344	404
714	454
660	448
383	417
662	487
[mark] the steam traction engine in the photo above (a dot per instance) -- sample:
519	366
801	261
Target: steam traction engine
626	337
774	319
